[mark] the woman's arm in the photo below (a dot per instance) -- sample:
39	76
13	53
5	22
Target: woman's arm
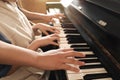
51	60
33	15
38	16
14	55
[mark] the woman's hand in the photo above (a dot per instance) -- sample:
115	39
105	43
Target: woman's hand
45	29
59	59
52	39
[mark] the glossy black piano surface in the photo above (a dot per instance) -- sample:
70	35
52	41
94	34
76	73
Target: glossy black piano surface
98	22
112	5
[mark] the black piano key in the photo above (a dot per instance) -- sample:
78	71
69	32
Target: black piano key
81	49
80	46
76	49
96	76
70	41
75	40
89	60
69	35
74	36
70	31
65	29
49	47
91	66
65	20
68	25
90	56
73	45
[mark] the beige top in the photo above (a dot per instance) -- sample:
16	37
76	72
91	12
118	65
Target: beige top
14	24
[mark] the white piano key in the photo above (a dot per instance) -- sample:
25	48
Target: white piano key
63	42
88	70
69	28
103	79
56	22
58	27
62	34
80	44
75	76
87	58
93	70
88	52
57	10
79	76
64	46
51	11
63	39
97	63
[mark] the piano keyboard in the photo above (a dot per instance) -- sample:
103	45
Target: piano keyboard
70	38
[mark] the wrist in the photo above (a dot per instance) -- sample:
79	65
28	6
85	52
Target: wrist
38	61
34	45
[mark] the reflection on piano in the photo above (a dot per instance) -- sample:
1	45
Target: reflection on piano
91	27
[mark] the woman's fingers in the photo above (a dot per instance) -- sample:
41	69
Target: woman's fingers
65	50
45	32
73	61
54	30
51	30
69	67
74	54
54	43
68	62
62	59
59	15
55	37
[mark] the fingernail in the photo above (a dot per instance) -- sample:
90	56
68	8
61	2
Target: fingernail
82	63
77	70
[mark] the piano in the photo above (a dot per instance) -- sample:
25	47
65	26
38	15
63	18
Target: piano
91	27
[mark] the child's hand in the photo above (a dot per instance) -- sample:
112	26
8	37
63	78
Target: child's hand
52	39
